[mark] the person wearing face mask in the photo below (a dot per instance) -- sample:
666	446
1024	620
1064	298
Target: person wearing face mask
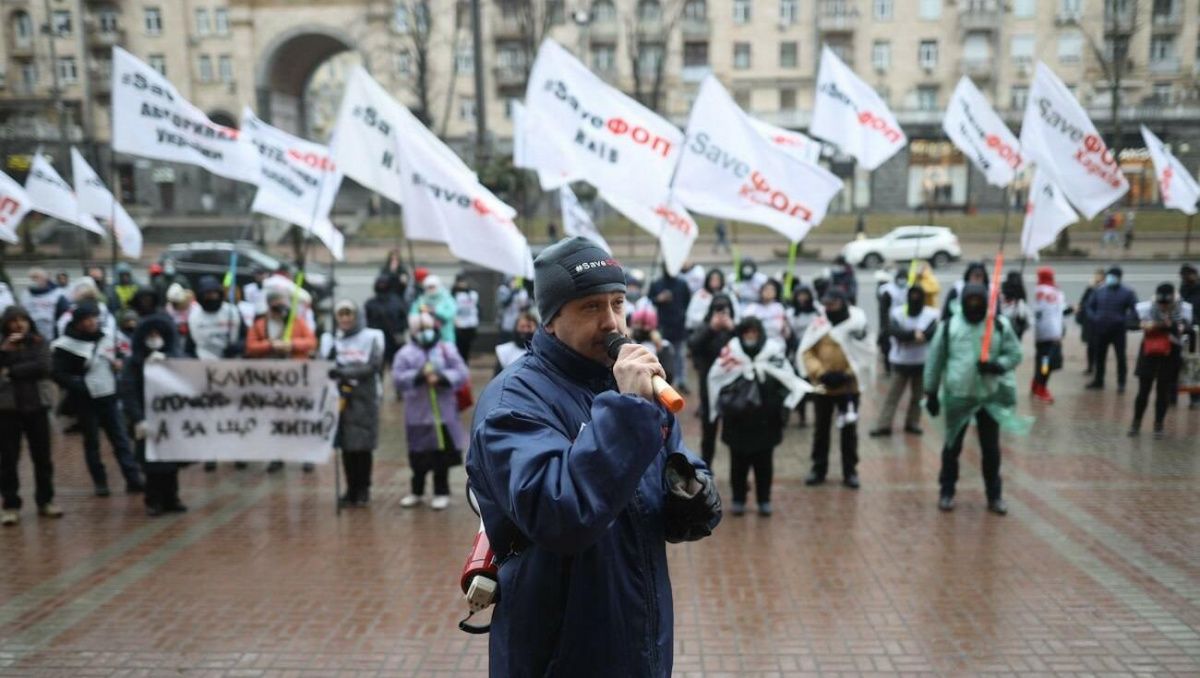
635	281
750	388
749	282
802	312
956	378
268	339
180	302
697	310
428	371
706	344
440	303
1012	303
1110	310
1086	333
837	354
512	299
387	313
466	317
357	354
1166	323
891	293
643	328
1049	309
215	328
154	340
508	352
976	274
911	326
125	287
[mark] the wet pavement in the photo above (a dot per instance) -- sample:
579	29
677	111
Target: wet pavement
1095	571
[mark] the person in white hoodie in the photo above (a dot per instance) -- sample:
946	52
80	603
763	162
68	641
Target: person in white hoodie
910	327
1049	309
41	300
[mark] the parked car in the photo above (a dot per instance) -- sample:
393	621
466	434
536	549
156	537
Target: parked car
195	259
938	244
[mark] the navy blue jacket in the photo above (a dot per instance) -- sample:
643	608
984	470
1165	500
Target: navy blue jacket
672	315
577	470
1110	308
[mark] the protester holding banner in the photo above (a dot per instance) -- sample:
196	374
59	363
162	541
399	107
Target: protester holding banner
428	371
388	313
671	296
26	396
706	343
1111	309
1166	323
357	352
466	316
85	365
154	340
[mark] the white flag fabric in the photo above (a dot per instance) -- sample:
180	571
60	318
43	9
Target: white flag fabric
1176	185
1047	212
849	113
616	144
796	144
730	170
297	180
1058	137
96	200
53	196
667	220
151	119
981	135
533	151
576	220
15	203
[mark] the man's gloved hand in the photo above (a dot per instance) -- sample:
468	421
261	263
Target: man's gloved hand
693	504
932	405
834	379
139	430
990	367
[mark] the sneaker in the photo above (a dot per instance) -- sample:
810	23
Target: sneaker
411	501
914	430
764	509
1159	433
879	432
175	507
1093	386
135	487
852	482
153	510
998	506
275	467
440	502
737	508
813	479
945	503
1133	431
362	500
50	511
102	491
9	517
1120	388
210	466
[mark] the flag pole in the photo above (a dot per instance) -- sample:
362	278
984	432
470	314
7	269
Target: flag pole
1187	238
112	217
994	292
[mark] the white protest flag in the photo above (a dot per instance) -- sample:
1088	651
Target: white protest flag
1058	137
849	113
576	220
1178	188
53	196
981	135
796	144
152	120
1047	212
667	220
534	151
297	180
97	200
15	203
619	146
730	170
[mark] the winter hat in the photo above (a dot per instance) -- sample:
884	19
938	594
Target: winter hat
1115	270
1045	275
570	269
176	294
431	281
419	274
87	309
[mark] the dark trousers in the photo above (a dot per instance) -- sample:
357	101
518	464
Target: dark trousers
1043	351
1114	337
463	338
989	449
824	408
358	473
98	413
162	488
740	463
424	462
35	426
1164	388
708	439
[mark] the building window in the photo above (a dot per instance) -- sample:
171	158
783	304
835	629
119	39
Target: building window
205	67
695	54
107	20
741	11
22	28
695	10
787	99
1162	48
741	55
649	11
650	57
400	19
403	62
927	54
604	12
1162	93
1070	47
927	98
203	25
29	75
884	10
930	9
153	21
1024	9
1164	10
225	68
788	55
1018	97
221	21
1022	48
789	12
1070	9
881	55
159	63
68	74
604	58
885	94
466	109
464	60
61	22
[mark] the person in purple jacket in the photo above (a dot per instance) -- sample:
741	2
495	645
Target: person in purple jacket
427	372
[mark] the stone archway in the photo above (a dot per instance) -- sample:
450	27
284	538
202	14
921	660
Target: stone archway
287	65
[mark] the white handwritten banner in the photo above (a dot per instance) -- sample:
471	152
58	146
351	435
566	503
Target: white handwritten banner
981	135
15	203
1061	140
240	410
53	196
1176	185
97	200
848	112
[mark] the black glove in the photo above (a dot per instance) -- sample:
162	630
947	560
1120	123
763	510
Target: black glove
693	504
990	367
834	379
932	405
335	373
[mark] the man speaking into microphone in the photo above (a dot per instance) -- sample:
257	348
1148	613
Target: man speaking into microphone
581	478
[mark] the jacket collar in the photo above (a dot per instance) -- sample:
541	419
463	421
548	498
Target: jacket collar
575	367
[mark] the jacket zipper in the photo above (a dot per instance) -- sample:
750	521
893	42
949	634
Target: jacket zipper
651	593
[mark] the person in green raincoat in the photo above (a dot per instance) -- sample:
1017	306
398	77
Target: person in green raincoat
970	388
438	301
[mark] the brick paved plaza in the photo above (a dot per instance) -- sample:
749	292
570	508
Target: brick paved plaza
1096	570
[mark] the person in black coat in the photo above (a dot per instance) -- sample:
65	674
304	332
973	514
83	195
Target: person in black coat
705	345
26	395
154	339
388	313
671	296
1085	320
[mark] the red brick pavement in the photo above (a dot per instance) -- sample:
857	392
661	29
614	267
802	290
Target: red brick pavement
1096	571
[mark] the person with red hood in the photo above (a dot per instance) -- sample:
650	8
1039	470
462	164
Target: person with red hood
1049	309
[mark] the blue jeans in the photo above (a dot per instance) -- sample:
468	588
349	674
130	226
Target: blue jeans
97	413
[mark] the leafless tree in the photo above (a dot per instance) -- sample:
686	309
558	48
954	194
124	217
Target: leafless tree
1123	20
648	34
461	22
534	20
415	24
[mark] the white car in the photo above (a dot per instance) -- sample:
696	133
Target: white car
938	244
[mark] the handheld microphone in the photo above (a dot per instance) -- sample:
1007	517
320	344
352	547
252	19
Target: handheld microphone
666	395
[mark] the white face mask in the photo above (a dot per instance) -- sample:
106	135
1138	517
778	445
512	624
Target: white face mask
154	343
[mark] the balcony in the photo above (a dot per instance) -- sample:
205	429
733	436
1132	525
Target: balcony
837	17
695	28
1165	66
509	76
102	82
106	39
1167	21
21	48
1119	22
980	15
506	28
977	68
604	30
